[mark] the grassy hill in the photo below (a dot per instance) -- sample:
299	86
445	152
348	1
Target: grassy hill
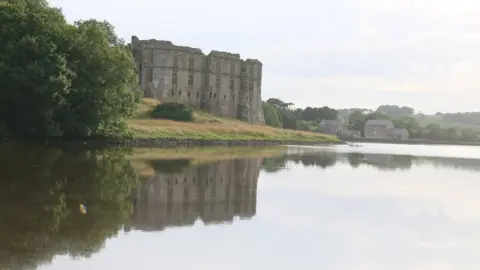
210	127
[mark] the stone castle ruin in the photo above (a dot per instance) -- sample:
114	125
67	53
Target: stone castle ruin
220	83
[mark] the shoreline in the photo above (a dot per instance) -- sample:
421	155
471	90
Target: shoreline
414	142
169	142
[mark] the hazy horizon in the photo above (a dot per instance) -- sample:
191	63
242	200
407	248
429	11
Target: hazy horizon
342	54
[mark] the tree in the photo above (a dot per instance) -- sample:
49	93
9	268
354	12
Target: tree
410	124
272	116
62	80
289	121
395	110
468	134
434	131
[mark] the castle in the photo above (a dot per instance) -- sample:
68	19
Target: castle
220	83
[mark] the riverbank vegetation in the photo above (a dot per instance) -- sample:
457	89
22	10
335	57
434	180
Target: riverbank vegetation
445	127
427	131
77	81
209	127
60	79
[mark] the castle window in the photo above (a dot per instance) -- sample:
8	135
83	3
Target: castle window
198	95
224	97
214	96
218	67
175	61
151	57
174	78
244	69
210	95
233	97
191	62
149	74
217	82
190	79
180	92
188	94
232	83
232	68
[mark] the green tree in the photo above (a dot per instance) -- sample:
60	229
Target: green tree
272	115
468	135
434	131
410	124
62	80
288	119
450	134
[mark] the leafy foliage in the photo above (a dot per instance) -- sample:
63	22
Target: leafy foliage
303	119
395	110
272	115
62	80
173	111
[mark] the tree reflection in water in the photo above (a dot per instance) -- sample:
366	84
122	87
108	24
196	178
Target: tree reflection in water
40	194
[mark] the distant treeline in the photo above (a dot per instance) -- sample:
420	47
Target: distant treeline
472	118
281	114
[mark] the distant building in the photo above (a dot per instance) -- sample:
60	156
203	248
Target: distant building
378	129
331	126
400	134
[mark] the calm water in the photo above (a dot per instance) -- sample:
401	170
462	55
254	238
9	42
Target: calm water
372	207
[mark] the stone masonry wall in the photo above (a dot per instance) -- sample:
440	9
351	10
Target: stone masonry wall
220	83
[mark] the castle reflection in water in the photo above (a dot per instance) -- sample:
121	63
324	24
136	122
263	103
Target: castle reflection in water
214	193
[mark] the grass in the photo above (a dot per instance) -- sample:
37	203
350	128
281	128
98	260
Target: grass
210	127
141	156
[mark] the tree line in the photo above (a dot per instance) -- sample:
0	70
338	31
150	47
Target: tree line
282	114
60	79
431	131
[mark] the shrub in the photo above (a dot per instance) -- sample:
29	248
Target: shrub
173	111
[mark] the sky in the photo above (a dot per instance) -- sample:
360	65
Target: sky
342	54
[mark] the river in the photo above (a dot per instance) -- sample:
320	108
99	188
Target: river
372	206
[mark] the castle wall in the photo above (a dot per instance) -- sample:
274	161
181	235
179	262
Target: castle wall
214	193
216	82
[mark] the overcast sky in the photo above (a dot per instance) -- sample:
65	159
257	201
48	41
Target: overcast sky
341	53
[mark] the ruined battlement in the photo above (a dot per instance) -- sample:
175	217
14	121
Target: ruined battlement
220	83
162	45
234	56
254	61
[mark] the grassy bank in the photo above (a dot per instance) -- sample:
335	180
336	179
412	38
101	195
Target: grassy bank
209	127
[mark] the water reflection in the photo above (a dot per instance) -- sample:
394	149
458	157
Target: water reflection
179	194
384	162
301	201
40	194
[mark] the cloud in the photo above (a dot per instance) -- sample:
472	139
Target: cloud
313	51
